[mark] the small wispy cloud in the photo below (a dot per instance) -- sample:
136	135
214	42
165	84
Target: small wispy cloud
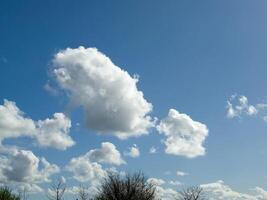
50	89
175	183
152	150
133	151
238	106
181	173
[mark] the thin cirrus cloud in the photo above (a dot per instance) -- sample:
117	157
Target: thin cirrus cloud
109	95
51	132
184	136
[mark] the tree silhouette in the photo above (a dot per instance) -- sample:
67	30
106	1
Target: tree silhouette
57	190
191	193
23	194
128	187
6	194
83	193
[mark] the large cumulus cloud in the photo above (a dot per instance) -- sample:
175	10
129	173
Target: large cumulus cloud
108	94
184	136
108	153
24	169
87	167
51	132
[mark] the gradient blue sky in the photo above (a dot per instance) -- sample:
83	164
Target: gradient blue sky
190	56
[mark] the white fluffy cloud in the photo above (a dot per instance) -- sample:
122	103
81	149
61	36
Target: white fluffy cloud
180	173
212	191
175	183
48	133
163	193
106	154
86	168
238	105
108	94
86	171
133	152
152	150
74	190
13	123
54	132
23	168
219	190
30	188
166	193
261	194
184	136
156	181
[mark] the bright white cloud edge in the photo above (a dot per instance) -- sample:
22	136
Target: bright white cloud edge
51	132
108	94
184	136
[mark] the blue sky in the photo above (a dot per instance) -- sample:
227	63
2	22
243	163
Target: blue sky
191	56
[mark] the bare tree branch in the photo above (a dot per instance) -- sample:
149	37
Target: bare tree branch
191	193
83	193
24	194
57	190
